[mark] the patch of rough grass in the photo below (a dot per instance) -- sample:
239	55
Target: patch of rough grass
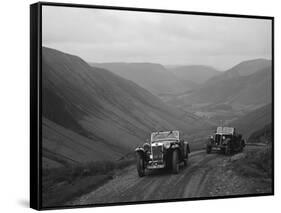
60	185
255	163
65	192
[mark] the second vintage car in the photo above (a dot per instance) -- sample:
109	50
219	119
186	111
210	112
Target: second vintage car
227	140
165	150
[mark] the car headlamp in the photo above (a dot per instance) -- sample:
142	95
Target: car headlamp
146	147
167	145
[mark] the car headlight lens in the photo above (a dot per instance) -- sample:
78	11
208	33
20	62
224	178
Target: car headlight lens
167	145
146	147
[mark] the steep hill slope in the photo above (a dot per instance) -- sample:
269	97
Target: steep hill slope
153	77
229	97
263	135
64	147
254	120
244	68
91	112
196	73
241	91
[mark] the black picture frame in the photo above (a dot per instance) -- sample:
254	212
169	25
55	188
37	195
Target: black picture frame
36	100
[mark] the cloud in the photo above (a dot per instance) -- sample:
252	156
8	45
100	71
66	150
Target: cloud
108	35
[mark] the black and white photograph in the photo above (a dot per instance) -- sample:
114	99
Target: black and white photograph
151	106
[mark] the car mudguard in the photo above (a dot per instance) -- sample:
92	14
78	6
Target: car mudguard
187	148
140	151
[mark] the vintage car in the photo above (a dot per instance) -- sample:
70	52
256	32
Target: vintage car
164	150
227	140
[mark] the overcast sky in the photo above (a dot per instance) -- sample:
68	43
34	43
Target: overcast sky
170	39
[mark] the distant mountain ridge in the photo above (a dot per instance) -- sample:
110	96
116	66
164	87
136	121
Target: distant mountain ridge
254	89
153	77
251	90
92	114
196	73
244	68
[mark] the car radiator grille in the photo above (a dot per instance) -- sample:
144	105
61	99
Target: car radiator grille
157	152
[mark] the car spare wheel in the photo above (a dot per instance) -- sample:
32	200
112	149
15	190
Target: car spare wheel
175	162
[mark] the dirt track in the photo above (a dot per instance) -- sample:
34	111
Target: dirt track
206	175
192	181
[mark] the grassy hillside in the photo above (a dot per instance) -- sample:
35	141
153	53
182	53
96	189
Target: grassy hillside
254	89
64	147
244	68
239	93
254	120
229	95
264	135
91	113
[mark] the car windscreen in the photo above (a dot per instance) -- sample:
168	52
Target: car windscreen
219	137
225	130
160	136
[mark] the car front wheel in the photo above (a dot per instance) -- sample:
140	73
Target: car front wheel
175	162
208	149
185	161
227	150
140	165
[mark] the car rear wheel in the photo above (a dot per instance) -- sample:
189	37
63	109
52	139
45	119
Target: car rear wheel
175	162
140	165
